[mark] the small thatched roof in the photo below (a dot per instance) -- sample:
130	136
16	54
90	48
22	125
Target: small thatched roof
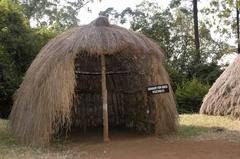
223	97
44	102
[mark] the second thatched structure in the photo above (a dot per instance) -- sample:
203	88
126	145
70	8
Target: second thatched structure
223	97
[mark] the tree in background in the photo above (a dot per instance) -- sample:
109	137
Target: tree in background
196	32
60	14
221	17
190	94
19	44
238	32
173	29
15	48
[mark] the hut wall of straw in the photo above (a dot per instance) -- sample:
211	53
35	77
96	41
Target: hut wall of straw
223	97
52	97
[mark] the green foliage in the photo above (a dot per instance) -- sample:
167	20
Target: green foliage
42	36
190	95
15	35
221	16
10	75
207	73
172	29
15	48
156	24
19	44
176	77
45	13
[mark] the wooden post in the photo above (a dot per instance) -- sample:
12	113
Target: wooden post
104	100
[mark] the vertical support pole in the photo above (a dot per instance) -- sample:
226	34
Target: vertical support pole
104	100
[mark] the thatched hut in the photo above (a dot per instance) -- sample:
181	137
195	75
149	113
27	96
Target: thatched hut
64	84
223	97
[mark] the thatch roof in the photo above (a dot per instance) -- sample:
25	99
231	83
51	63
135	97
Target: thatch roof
100	37
44	102
223	97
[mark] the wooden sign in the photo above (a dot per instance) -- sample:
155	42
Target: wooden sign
164	88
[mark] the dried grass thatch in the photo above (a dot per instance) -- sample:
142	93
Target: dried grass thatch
223	97
47	100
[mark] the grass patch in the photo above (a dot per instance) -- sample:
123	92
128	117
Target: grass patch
9	149
190	131
6	140
208	127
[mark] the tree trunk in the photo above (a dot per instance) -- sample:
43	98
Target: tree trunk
104	100
196	32
238	50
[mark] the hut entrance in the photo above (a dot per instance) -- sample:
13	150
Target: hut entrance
128	104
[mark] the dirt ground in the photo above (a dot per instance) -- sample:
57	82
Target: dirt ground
198	137
137	146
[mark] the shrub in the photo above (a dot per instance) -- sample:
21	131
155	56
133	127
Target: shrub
190	95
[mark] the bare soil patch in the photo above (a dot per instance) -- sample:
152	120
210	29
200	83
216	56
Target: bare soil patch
129	145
